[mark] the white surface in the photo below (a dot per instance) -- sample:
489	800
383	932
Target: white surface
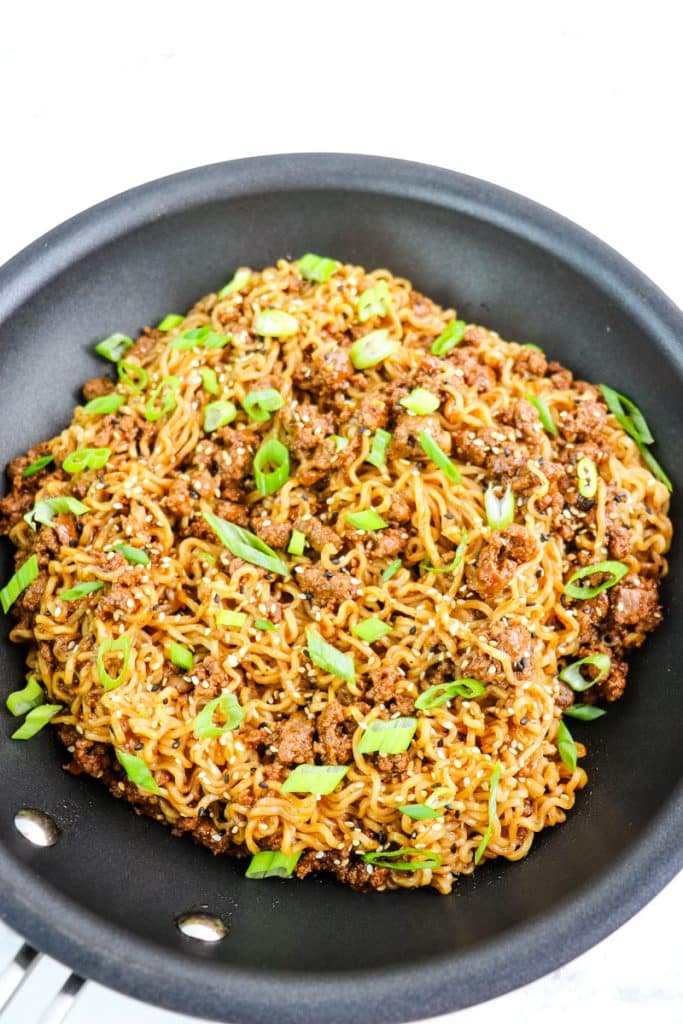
575	105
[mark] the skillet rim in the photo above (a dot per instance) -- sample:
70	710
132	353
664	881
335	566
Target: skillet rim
113	957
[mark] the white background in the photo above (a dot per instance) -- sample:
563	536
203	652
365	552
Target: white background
575	105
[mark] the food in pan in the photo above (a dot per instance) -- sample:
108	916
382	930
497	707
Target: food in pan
325	575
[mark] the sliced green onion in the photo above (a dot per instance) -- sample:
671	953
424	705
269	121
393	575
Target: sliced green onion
314	778
120	646
457	558
544	414
245	544
426	859
316	268
493	791
181	656
35	467
654	467
237	282
206	556
438	457
44	511
265	624
209	380
420	812
368	519
103	405
272	864
329	659
133	376
273	323
371	630
114	347
86	458
17	584
228	707
566	747
81	590
627	415
372	349
22	701
340	443
200	337
162	399
584	712
536	348
391	570
437	696
135	555
35	720
587	474
226	617
297	543
271	453
137	771
614	570
500	512
378	451
451	336
260	404
421	402
387	736
373	301
572	675
170	321
218	414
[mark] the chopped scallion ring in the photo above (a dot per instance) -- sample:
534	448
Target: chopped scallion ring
457	558
45	510
114	347
420	402
615	571
246	545
260	404
544	414
103	405
451	336
437	696
218	414
120	646
316	268
22	701
228	708
209	380
137	771
584	712
35	467
206	556
162	399
438	457
180	656
500	512
536	348
274	454
567	747
133	376
170	321
265	625
420	812
340	442
372	349
329	658
36	720
377	455
373	301
367	519
572	675
17	584
391	570
387	736
81	590
627	415
371	630
493	792
587	474
237	282
297	543
424	859
227	617
274	323
272	864
314	778
200	337
134	555
86	458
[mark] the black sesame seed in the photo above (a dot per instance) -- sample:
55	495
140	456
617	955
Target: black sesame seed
139	746
175	744
413	630
524	721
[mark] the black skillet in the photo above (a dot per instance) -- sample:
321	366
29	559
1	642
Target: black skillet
103	899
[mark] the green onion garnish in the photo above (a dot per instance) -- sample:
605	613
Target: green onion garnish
271	453
438	457
137	771
544	414
329	659
273	323
340	443
35	720
584	712
372	349
228	707
451	336
314	778
378	452
170	321
44	511
420	812
421	402
200	337
209	380
133	376
457	558
627	415
500	512
81	590
206	556
566	747
391	570
218	414
371	630
245	544
237	282
572	675
493	790
35	467
437	696
654	467
22	701
260	404
17	584
426	859
316	268
162	399
86	458
614	570
114	347
120	646
103	405
297	543
180	656
387	736
373	301
368	519
536	348
587	474
264	624
226	617
135	555
272	864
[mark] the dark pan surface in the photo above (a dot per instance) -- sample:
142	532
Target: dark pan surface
103	900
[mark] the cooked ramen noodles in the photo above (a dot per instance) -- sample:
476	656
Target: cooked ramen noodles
328	577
